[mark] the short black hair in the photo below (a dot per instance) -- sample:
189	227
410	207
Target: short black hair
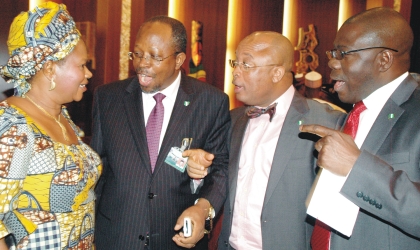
179	34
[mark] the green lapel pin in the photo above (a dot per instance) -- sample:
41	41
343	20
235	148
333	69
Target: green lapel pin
186	103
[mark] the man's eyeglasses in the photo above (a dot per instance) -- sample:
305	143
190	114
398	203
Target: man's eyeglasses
339	54
245	66
156	60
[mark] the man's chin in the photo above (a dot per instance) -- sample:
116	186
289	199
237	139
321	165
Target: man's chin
149	90
345	98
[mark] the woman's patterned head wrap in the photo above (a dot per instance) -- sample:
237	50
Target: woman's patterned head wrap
46	33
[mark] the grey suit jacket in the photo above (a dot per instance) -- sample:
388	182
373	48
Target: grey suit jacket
385	181
138	209
283	215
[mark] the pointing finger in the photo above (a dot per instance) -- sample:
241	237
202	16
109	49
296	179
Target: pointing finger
317	130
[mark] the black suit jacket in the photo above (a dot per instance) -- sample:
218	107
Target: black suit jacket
138	209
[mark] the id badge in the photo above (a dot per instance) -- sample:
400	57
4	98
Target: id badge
174	157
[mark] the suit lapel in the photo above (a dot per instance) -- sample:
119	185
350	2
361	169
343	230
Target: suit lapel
389	116
285	149
180	114
238	131
133	104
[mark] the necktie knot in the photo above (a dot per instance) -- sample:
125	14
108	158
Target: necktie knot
352	122
359	107
254	112
159	97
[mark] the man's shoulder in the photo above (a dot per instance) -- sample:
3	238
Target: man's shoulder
200	87
324	113
237	112
115	86
317	105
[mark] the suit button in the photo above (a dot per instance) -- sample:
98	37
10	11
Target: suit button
359	194
366	198
141	237
378	205
226	244
372	202
151	195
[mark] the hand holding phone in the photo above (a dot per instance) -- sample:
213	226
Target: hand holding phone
187	227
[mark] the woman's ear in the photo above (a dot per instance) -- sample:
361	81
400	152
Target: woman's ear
48	69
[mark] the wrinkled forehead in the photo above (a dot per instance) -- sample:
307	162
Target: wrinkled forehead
352	35
252	48
154	29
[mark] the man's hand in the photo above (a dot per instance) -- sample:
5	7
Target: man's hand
198	214
3	245
337	151
198	162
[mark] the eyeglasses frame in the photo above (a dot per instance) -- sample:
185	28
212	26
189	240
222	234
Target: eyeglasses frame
235	63
157	60
330	53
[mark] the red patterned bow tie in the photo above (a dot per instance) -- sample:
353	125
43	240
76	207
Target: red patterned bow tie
254	112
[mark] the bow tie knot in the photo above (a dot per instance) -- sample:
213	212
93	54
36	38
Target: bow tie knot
254	112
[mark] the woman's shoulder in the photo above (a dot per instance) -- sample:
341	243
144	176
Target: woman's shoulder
8	109
11	116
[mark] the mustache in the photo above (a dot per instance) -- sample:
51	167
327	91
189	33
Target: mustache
144	71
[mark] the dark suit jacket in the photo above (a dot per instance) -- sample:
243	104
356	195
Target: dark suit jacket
387	178
292	173
136	207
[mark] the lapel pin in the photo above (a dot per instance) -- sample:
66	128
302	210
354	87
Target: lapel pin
186	103
391	116
300	122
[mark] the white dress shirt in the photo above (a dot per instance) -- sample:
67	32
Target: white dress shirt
258	147
374	104
168	102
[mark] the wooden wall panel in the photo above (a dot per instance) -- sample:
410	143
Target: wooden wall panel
141	10
352	8
415	25
82	11
314	12
405	9
213	15
268	17
108	30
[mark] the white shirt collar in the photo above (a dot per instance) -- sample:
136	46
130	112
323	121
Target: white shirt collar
170	92
379	97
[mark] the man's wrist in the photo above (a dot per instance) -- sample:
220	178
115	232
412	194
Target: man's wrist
208	225
210	210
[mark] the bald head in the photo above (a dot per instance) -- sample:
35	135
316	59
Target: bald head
275	44
385	27
263	68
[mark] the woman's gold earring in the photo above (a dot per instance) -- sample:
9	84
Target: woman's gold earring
52	86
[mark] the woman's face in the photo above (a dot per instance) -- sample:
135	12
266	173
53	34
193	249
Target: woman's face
71	75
